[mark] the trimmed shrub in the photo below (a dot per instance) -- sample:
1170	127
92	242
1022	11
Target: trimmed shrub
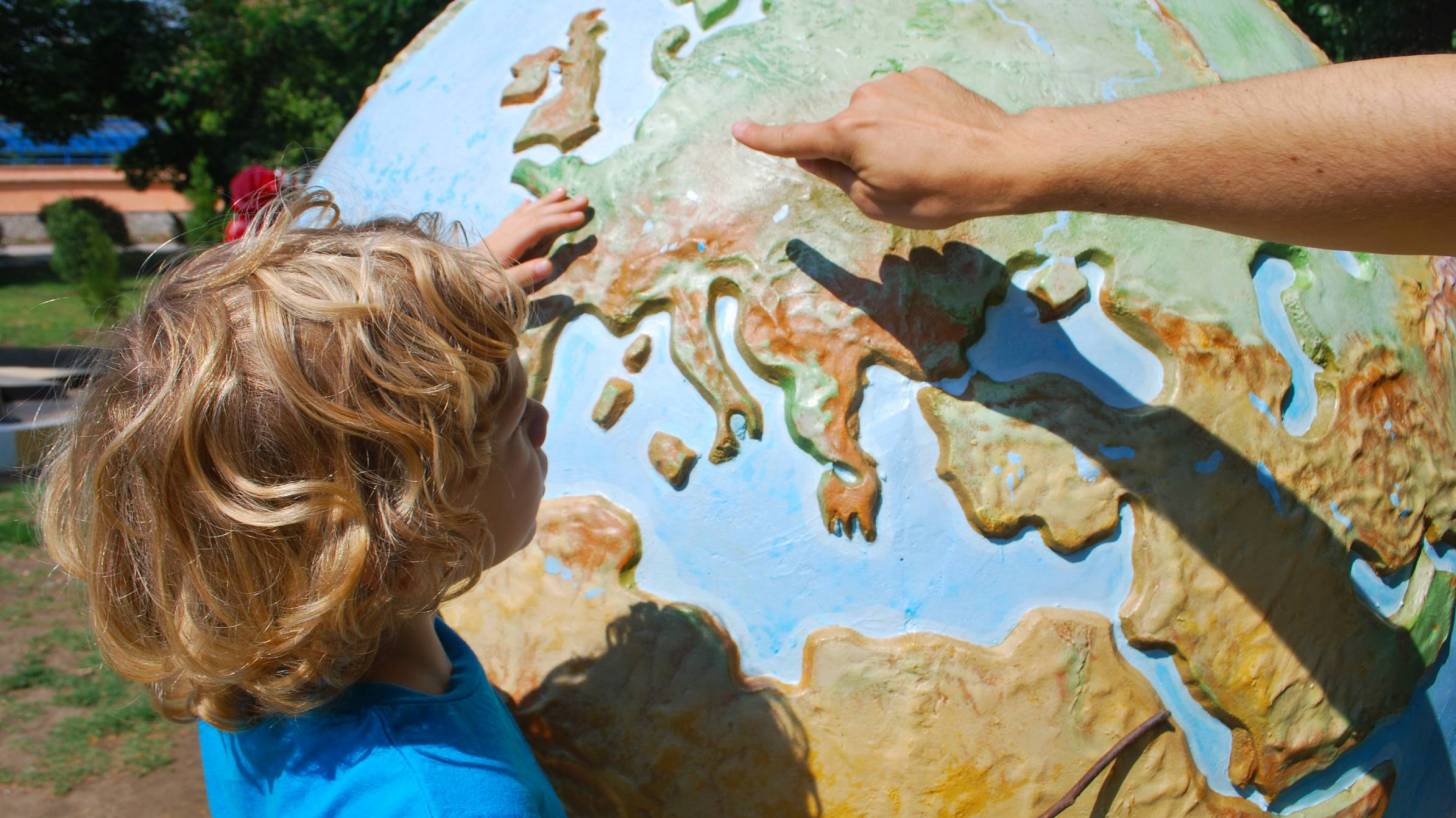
83	255
109	217
205	223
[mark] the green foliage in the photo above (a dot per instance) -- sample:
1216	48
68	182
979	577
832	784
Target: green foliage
68	63
110	218
204	224
1364	29
84	256
16	532
222	83
269	81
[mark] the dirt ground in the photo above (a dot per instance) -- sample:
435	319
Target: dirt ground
75	738
174	791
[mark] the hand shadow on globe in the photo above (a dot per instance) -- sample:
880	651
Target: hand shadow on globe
660	723
1229	521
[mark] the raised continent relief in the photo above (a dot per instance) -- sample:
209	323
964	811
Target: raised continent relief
529	76
1240	565
570	118
823	294
687	216
672	458
665	48
1057	290
615	398
637	702
637	354
1177	468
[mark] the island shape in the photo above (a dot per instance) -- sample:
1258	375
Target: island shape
672	458
570	118
1057	290
685	217
637	354
530	74
615	398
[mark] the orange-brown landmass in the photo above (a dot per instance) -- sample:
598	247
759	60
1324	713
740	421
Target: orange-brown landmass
1241	550
570	118
615	398
637	703
805	322
1058	290
672	458
529	76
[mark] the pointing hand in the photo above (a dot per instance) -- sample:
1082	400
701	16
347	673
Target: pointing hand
915	149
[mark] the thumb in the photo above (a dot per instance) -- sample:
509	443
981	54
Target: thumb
812	140
841	176
530	274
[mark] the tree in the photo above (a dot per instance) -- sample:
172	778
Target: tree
1364	29
223	83
84	256
270	81
64	64
220	83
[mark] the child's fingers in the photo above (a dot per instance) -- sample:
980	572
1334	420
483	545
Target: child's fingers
530	274
574	203
551	224
560	205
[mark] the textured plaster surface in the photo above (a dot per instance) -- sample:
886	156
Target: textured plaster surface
637	354
776	301
685	215
648	699
529	76
570	118
1058	289
672	458
615	398
1243	531
816	311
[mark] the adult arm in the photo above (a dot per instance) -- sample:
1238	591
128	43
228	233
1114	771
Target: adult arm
1358	156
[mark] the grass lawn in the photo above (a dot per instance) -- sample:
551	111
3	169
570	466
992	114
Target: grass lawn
50	313
64	716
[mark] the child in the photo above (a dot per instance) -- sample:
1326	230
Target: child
302	444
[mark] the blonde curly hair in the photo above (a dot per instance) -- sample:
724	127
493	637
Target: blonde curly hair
268	473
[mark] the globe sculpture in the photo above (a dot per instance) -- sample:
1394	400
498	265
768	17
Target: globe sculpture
852	520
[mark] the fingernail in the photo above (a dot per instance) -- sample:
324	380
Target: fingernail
541	266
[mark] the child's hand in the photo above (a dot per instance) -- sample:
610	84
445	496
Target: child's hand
528	228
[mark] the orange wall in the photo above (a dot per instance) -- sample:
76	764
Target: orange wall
28	188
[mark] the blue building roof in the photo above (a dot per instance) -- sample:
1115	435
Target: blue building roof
97	147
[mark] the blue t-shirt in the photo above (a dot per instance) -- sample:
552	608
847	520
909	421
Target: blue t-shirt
382	749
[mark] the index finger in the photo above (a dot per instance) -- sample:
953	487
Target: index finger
806	140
